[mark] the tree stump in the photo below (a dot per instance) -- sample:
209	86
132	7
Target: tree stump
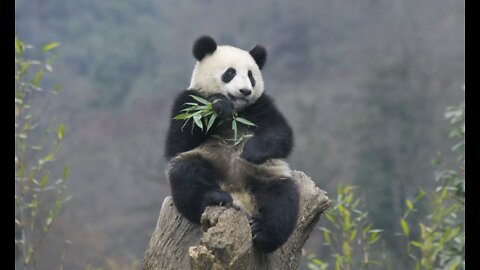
224	240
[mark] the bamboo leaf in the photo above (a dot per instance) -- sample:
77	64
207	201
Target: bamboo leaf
374	237
18	46
201	100
66	172
57	88
409	204
50	46
44	180
182	116
420	196
211	121
197	121
61	131
38	77
417	244
405	228
244	121
24	67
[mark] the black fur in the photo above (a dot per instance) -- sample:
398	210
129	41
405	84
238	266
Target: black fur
273	135
228	75
203	45
179	141
194	181
250	76
278	206
259	54
194	187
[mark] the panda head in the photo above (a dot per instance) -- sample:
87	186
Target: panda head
228	70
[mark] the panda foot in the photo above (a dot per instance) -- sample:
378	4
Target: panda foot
262	238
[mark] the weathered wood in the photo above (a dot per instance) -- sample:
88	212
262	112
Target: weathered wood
224	240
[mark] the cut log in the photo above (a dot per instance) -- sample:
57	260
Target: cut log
224	240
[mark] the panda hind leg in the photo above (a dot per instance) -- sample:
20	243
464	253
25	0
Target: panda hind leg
194	186
277	204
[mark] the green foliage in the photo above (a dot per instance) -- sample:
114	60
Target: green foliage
442	234
203	115
349	235
39	198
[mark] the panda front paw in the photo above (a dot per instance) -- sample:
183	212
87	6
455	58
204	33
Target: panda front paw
222	105
252	153
217	197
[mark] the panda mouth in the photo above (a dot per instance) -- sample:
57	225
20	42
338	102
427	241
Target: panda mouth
235	98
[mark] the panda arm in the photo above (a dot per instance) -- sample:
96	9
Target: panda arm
179	141
273	136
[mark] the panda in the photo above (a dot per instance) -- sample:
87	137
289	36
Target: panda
203	169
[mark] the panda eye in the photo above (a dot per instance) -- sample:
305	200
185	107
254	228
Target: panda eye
228	75
250	76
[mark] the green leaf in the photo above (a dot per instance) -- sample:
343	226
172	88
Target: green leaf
197	121
330	217
420	195
24	67
338	262
409	204
326	235
44	180
57	89
38	77
61	131
211	121
417	244
352	235
374	237
182	116
49	157
50	46
405	228
18	46
244	121
201	100
66	172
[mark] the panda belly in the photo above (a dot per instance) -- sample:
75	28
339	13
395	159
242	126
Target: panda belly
237	174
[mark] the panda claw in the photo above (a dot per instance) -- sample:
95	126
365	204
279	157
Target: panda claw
254	226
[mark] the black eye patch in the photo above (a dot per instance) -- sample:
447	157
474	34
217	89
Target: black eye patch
250	76
228	75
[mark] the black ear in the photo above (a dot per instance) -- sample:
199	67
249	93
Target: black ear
203	45
259	54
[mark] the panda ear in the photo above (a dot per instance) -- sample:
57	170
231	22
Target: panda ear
259	54
203	45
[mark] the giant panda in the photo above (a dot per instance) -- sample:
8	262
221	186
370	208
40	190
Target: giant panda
253	176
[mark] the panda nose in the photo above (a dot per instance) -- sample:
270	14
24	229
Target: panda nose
245	92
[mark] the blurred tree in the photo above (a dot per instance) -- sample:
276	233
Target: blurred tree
393	137
38	198
441	241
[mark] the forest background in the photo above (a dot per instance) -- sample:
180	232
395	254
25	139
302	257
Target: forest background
364	84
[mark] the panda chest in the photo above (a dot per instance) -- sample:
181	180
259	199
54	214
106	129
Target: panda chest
224	150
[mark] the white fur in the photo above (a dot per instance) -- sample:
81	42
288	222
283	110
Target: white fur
207	75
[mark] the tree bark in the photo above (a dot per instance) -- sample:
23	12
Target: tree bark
224	240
